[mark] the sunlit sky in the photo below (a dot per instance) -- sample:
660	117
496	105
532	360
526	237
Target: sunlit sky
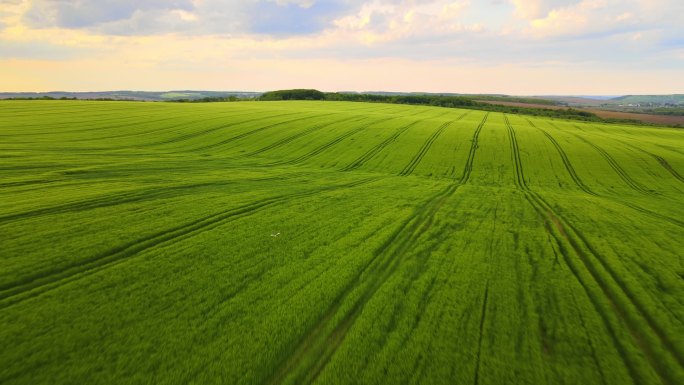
524	47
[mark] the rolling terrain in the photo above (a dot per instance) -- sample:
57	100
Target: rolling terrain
605	113
336	243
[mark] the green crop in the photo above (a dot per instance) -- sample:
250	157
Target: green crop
304	242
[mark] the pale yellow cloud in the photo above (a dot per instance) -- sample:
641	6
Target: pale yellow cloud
405	45
366	74
384	21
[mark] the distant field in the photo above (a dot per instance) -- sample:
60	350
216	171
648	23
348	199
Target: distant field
336	243
648	118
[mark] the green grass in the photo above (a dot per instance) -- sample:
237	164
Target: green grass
336	243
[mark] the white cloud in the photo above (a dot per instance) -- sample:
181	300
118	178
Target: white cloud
192	35
595	18
534	9
381	21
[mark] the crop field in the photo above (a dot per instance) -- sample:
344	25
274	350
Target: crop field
336	243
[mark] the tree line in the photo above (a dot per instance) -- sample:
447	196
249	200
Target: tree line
448	101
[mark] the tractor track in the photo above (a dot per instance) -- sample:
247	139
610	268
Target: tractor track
662	161
408	170
38	284
616	293
467	170
324	338
158	192
207	131
152	131
257	130
300	134
323	148
586	189
615	166
379	147
566	161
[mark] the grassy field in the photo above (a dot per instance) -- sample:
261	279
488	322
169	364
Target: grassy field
336	243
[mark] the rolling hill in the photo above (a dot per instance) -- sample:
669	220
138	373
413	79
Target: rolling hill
333	243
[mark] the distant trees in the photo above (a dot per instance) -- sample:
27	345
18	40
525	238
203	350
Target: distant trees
448	101
296	94
208	99
427	100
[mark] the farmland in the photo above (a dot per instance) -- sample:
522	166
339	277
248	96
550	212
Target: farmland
671	120
336	243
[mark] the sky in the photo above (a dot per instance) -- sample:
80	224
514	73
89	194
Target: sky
521	47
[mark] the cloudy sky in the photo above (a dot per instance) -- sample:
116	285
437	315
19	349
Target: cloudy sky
602	47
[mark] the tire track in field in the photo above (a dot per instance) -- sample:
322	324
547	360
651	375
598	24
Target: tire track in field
328	145
300	134
211	314
40	283
324	338
614	275
218	128
590	341
584	188
578	244
542	212
104	129
118	122
614	165
515	151
566	161
467	170
614	290
130	197
420	365
483	315
411	166
202	118
408	170
674	221
664	163
379	147
189	123
106	201
257	130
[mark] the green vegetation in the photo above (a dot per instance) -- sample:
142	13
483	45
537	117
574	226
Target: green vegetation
128	95
430	100
675	100
336	243
515	99
297	94
671	111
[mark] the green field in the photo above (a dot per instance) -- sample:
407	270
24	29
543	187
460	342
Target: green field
336	243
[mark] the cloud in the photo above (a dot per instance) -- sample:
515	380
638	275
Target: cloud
38	50
383	21
188	36
132	17
292	17
552	19
534	9
90	13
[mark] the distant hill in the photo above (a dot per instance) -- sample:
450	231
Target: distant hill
676	99
131	95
